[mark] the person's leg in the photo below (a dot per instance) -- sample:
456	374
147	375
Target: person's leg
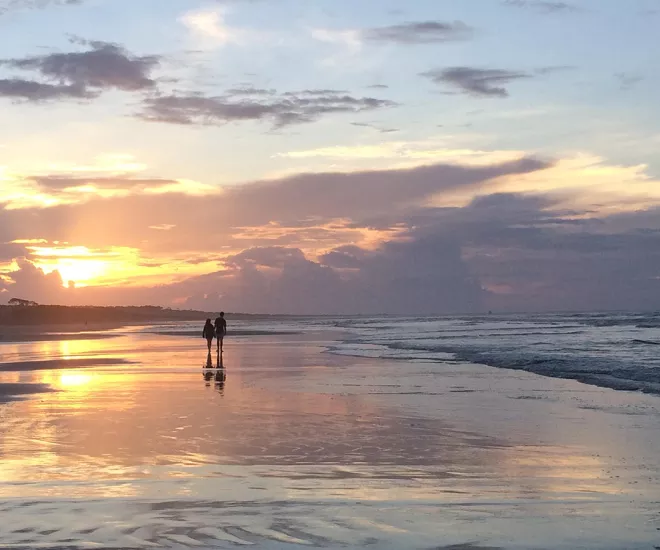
220	341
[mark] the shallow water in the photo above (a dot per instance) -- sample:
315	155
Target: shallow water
296	447
611	350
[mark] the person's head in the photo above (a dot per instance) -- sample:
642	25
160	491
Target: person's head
222	314
208	321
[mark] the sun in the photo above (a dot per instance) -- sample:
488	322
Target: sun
79	272
76	264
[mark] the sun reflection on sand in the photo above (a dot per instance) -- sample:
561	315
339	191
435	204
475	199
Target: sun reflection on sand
74	380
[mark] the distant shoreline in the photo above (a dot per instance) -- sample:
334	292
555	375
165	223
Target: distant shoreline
93	317
39	315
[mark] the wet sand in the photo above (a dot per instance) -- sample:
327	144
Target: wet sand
11	392
290	447
69	331
58	364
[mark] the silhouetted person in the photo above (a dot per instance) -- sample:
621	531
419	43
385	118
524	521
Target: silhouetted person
220	329
208	333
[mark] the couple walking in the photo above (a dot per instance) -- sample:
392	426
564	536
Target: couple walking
217	330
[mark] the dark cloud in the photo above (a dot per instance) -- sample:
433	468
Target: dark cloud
425	276
283	110
31	281
534	255
420	32
477	82
506	252
30	90
337	195
542	6
343	257
103	66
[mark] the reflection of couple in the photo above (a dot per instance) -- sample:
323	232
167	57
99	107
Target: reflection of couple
220	377
209	361
217	330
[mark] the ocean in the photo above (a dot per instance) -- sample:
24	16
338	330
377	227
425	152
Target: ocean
613	350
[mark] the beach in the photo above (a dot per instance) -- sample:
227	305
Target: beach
125	441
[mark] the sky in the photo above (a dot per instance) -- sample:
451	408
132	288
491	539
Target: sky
331	156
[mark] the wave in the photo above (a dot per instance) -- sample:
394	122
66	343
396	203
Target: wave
608	351
598	372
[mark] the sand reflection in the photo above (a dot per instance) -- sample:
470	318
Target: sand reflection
176	453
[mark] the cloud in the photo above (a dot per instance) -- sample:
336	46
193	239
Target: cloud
475	81
163	227
628	81
542	6
508	252
29	280
274	256
30	90
317	205
102	67
281	110
409	33
419	32
380	129
50	190
365	242
402	154
12	5
11	250
59	183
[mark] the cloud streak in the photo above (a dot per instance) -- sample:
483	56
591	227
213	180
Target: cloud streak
419	32
12	5
280	110
475	81
32	91
544	6
408	33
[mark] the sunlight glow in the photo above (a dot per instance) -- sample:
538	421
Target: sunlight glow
82	266
69	380
76	264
